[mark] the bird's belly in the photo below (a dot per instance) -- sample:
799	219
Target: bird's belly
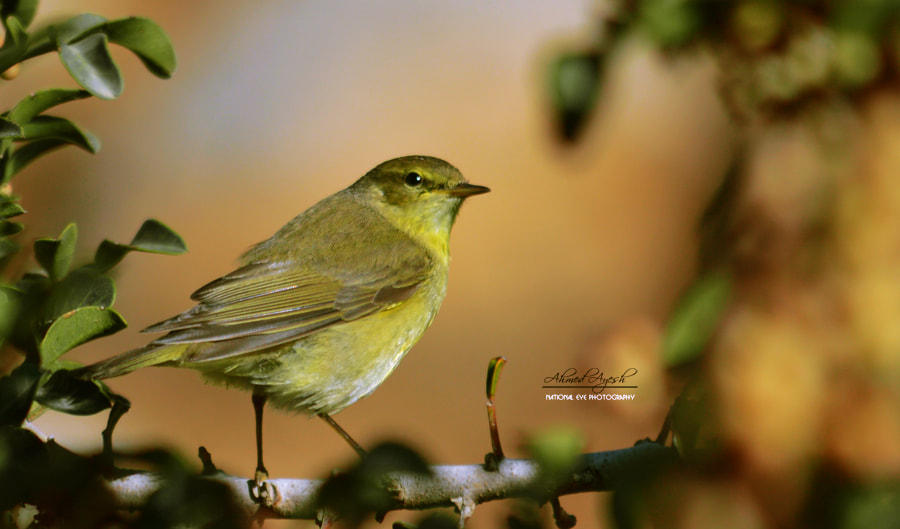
331	369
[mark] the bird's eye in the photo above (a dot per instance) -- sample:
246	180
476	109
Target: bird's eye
413	179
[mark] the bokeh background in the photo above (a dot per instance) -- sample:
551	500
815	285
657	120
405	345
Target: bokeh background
277	104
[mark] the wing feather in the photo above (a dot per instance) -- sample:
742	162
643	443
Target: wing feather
285	292
262	305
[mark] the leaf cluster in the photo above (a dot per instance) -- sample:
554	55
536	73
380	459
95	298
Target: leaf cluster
57	306
54	310
82	44
45	313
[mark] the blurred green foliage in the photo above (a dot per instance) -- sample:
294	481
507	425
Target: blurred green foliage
778	62
696	318
557	451
790	53
365	489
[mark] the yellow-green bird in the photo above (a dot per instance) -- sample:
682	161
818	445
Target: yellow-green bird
322	312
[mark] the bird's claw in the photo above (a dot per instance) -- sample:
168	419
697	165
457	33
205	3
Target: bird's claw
263	491
392	486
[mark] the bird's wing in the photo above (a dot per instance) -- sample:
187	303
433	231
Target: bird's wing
265	304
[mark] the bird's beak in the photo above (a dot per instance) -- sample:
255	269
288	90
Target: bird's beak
466	190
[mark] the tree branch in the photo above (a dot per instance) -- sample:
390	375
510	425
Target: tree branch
459	486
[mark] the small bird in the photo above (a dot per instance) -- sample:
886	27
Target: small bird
322	312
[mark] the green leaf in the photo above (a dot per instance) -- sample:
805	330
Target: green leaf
14	45
90	64
66	393
9	129
24	463
10	308
31	106
17	391
31	151
693	434
83	287
24	302
863	17
187	500
32	284
696	318
155	237
39	43
77	327
15	32
55	255
869	506
152	237
63	364
32	291
146	40
671	23
109	254
388	457
52	127
8	228
556	452
575	80
7	248
357	492
75	27
495	367
716	223
857	58
23	10
9	209
49	38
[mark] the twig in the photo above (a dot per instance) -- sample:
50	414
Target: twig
563	519
209	468
120	406
599	471
493	378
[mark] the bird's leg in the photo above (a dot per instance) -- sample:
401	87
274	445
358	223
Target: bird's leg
259	402
262	491
343	433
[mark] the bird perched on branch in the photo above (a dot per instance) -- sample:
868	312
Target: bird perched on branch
322	312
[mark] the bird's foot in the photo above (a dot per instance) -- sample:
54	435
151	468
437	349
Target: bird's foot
262	491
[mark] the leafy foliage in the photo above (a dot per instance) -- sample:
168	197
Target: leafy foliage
47	312
780	344
82	43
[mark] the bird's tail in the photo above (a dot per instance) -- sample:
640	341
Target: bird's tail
148	355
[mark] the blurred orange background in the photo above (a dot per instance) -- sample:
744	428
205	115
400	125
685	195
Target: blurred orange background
275	105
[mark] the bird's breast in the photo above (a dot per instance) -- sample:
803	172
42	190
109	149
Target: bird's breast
334	368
